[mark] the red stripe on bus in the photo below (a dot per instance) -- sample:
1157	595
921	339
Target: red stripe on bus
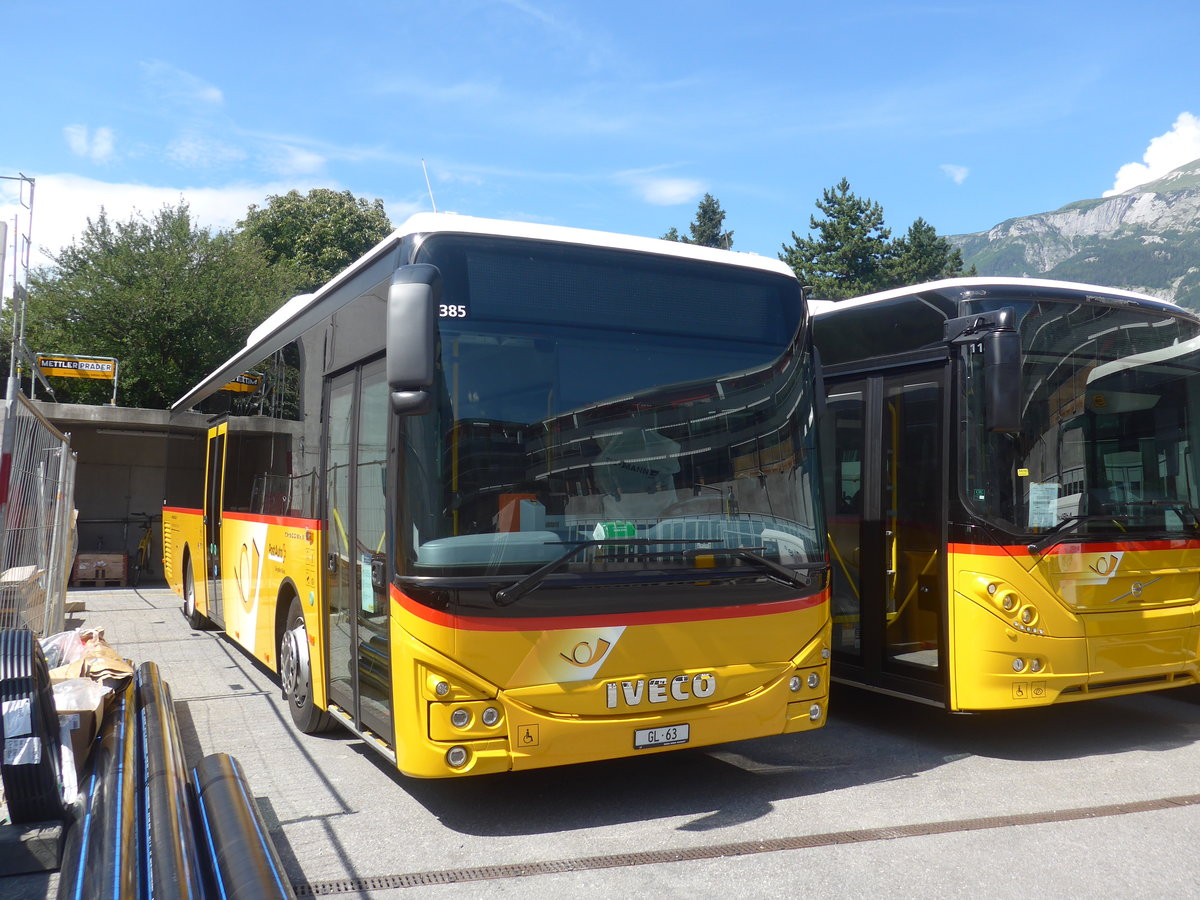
314	524
1088	546
553	623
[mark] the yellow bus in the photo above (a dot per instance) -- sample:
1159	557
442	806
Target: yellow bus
1012	491
505	496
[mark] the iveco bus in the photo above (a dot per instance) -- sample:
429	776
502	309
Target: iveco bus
1013	491
502	496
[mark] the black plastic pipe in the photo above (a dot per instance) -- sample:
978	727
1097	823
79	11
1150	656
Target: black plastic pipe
100	860
244	860
171	864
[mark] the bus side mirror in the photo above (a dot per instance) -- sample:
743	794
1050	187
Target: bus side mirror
1002	380
412	337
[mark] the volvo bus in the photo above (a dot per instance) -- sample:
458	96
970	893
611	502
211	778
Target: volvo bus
1013	491
503	496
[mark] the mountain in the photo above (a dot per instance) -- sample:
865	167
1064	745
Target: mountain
1146	239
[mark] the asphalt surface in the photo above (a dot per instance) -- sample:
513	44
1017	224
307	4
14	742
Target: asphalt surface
1093	799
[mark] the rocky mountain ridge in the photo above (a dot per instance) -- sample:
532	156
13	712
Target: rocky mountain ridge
1146	239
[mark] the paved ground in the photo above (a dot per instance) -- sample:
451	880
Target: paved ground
1097	799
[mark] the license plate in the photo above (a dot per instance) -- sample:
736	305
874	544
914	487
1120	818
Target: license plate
663	736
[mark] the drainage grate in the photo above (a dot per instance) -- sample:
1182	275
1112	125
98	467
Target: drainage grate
716	851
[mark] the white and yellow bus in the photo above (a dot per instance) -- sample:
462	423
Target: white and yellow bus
508	496
1012	491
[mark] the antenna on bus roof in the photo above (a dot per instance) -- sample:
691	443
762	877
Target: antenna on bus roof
428	187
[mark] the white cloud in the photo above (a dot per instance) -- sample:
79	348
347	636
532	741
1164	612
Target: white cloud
660	190
181	87
1168	151
98	146
63	203
288	160
201	152
957	174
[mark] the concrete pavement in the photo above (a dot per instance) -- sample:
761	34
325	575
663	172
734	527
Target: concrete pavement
891	798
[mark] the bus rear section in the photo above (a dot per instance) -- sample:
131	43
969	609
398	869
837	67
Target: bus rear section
565	501
1012	498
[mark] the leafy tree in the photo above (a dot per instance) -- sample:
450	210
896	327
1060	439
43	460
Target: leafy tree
169	299
851	253
319	233
921	255
706	227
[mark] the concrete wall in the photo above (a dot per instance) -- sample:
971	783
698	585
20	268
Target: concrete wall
124	456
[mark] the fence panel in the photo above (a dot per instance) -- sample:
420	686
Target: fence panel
37	504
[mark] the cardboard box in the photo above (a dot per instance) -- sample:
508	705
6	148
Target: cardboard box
80	703
96	567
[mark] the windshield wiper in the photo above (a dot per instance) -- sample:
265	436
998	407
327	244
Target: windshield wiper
1168	504
509	595
1064	527
786	574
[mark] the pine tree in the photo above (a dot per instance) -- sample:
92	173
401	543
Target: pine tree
706	227
921	255
851	253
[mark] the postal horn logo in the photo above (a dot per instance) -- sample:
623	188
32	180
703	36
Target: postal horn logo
584	654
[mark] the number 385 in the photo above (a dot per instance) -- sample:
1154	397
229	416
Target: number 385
452	311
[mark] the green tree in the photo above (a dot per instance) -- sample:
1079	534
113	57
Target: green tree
921	255
706	227
851	253
319	233
169	299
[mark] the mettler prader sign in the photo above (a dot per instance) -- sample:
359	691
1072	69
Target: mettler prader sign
61	365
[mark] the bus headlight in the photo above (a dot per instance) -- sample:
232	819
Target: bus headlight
457	757
490	716
1018	665
460	718
794	683
814	679
1028	615
814	712
1009	601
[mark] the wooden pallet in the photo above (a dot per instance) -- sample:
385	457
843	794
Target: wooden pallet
100	582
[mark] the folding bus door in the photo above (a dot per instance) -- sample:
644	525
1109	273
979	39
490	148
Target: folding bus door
887	531
357	417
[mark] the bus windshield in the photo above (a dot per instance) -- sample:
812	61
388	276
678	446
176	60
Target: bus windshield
610	411
1111	425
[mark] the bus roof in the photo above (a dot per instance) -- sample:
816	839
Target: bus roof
960	285
300	313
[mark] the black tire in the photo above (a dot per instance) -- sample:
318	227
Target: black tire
32	784
295	674
135	575
194	617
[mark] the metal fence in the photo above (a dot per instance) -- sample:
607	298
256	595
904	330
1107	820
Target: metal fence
37	500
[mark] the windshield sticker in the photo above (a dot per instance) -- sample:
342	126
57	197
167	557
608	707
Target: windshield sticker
1043	504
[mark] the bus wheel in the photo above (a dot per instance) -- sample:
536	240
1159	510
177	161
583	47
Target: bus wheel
295	674
194	617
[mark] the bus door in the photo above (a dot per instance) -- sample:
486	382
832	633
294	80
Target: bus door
887	522
214	489
357	414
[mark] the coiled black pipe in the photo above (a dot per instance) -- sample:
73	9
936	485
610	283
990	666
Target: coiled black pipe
100	861
244	860
33	775
171	865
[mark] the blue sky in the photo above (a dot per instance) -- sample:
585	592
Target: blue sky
616	115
